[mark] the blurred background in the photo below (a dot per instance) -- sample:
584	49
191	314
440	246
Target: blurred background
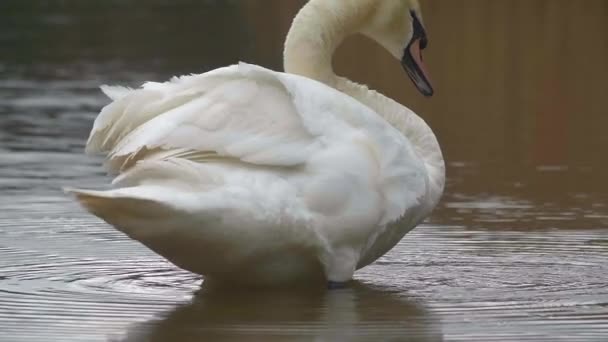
517	81
520	111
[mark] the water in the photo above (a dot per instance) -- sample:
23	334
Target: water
516	251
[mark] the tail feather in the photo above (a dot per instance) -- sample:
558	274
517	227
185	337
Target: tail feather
165	229
123	211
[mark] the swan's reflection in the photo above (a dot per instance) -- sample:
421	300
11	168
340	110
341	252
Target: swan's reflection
358	313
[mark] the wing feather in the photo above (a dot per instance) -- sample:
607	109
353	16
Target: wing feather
256	116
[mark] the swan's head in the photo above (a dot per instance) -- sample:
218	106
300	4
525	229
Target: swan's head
397	26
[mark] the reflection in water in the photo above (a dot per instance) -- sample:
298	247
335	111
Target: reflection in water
360	313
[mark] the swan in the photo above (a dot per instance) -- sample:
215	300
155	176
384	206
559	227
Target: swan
255	177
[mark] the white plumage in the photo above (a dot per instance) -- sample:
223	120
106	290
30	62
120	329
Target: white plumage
248	175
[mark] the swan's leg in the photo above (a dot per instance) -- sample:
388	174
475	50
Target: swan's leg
340	266
337	285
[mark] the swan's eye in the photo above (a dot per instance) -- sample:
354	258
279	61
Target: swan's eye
419	32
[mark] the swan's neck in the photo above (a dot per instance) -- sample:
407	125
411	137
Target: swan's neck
316	32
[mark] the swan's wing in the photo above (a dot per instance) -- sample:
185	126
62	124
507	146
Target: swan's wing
228	114
259	117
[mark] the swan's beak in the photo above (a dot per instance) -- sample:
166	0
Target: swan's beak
412	63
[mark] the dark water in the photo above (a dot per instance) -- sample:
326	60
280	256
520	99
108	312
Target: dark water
516	251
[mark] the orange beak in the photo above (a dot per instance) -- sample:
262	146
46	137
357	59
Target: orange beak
414	65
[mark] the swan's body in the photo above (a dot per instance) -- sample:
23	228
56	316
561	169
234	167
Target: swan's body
255	176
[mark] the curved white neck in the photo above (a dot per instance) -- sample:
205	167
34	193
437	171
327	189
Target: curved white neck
314	35
316	32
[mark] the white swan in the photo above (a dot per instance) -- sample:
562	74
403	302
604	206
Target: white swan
248	175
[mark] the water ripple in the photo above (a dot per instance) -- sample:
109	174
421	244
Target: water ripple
512	258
